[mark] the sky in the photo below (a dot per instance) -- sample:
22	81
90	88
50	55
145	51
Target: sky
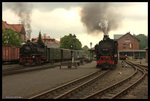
57	19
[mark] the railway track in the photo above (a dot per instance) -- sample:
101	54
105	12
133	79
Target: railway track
122	87
140	66
64	91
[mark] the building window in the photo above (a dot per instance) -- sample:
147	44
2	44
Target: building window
127	38
124	45
131	45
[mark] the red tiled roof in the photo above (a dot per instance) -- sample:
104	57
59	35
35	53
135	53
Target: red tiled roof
15	27
48	38
6	26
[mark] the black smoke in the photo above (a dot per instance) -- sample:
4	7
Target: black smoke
100	17
23	11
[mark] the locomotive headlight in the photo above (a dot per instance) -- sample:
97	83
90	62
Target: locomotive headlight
33	56
115	55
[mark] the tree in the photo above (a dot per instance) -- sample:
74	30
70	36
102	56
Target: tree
86	51
143	41
40	40
70	42
11	38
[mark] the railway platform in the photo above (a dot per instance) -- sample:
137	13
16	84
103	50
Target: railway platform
16	68
28	83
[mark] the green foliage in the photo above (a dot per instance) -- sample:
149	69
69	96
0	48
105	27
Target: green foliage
143	41
85	51
11	38
69	42
40	40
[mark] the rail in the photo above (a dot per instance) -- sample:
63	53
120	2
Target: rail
118	84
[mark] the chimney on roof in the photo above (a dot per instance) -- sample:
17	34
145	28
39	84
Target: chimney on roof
44	38
128	33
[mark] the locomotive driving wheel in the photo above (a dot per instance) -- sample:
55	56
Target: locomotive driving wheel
37	60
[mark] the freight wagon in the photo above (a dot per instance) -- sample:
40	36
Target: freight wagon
10	53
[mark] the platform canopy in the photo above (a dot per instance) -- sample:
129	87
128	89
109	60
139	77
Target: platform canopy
132	51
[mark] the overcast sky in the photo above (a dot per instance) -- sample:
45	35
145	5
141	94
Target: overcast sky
56	19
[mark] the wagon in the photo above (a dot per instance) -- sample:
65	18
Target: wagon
10	53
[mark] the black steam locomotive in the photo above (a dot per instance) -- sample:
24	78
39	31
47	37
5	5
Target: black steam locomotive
32	53
106	53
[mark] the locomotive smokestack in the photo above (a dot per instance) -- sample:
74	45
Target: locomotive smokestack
106	37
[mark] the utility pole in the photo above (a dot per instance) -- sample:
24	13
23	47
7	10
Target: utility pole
91	51
133	46
73	46
44	38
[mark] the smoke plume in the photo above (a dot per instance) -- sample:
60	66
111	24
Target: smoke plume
100	17
23	11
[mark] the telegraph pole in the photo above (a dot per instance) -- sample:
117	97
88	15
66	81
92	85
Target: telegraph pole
91	51
133	42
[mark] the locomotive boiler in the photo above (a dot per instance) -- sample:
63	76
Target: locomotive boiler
32	53
106	53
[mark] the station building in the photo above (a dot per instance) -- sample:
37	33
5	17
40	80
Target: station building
128	45
146	55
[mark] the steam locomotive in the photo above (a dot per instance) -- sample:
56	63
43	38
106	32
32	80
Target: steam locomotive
32	53
106	53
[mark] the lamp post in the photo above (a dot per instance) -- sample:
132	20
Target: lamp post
91	51
91	45
133	47
73	37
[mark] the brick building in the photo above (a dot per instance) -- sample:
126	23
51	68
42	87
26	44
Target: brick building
48	41
129	45
16	27
127	42
146	55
